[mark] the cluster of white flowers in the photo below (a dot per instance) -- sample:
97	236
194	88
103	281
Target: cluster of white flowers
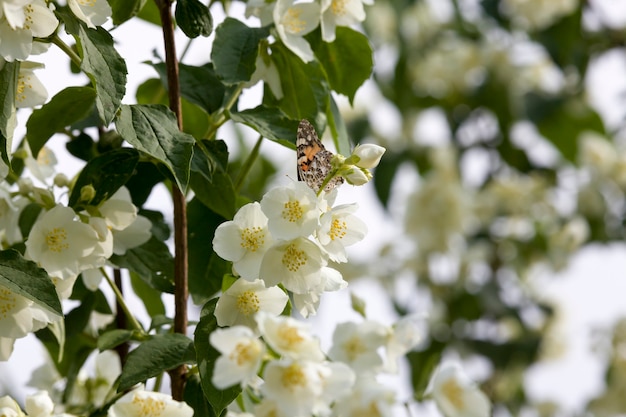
62	242
295	20
298	378
537	14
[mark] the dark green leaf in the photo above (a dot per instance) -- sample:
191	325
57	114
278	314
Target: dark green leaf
82	147
210	181
103	65
153	129
206	356
422	366
8	88
25	278
195	398
140	185
123	10
66	107
304	85
106	174
194	18
150	13
152	261
270	123
28	216
205	268
114	338
347	60
151	298
235	50
384	175
155	356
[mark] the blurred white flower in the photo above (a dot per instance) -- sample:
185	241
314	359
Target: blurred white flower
244	240
295	263
406	334
239	304
20	21
357	345
39	404
307	303
537	14
293	21
289	337
267	71
456	395
340	13
92	12
143	403
10	408
295	386
367	398
292	210
262	9
241	354
63	245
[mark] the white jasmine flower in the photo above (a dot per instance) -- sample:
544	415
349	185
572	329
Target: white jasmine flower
456	395
92	12
292	210
307	303
295	386
295	263
119	210
338	229
41	167
340	13
136	234
267	71
143	403
39	404
262	9
244	240
367	398
10	408
241	356
6	349
10	210
239	303
357	345
30	91
355	175
337	380
107	369
20	21
63	245
406	334
293	21
289	337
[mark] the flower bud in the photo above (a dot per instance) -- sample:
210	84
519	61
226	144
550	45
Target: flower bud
87	193
61	180
356	176
39	404
368	155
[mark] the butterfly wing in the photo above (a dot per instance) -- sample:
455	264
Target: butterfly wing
314	161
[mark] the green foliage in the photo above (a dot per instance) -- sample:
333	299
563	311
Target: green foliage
65	108
8	84
160	353
25	278
124	10
194	18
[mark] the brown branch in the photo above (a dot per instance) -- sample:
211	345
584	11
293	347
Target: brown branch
178	374
120	318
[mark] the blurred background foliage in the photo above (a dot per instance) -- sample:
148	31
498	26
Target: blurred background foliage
500	166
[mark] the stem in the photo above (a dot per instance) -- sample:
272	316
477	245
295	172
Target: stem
177	375
222	117
120	319
122	303
67	49
247	165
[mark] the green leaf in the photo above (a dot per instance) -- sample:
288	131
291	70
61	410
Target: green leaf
205	268
28	217
65	108
25	278
123	10
271	123
151	298
8	87
106	174
155	356
150	13
235	50
304	85
114	338
103	65
198	85
348	60
206	356
338	129
422	366
195	397
153	129
194	18
210	181
152	262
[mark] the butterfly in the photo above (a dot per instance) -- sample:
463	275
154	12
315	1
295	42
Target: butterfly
313	159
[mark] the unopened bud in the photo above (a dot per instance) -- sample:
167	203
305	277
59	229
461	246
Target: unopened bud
87	193
368	155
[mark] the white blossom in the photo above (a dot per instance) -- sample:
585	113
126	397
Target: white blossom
456	395
357	345
340	228
148	403
293	21
340	13
289	337
20	21
30	91
241	355
92	12
292	210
